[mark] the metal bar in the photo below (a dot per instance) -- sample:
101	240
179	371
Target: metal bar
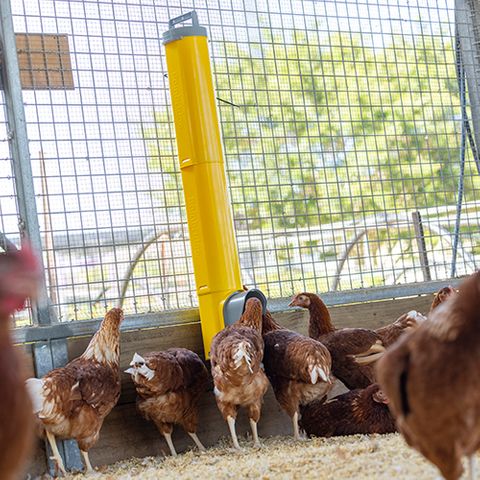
18	143
467	23
422	248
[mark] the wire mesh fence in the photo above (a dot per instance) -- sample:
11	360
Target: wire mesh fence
342	127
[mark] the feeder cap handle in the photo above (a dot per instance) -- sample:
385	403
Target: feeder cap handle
193	30
184	18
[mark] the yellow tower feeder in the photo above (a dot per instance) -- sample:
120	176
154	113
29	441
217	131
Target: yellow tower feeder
210	222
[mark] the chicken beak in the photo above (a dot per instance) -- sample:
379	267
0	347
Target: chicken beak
293	303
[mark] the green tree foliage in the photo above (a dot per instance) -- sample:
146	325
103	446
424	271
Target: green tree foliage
322	128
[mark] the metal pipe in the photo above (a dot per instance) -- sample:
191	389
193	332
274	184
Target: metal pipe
422	247
467	23
18	144
210	220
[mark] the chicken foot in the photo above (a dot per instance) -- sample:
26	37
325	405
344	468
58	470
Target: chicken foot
168	439
233	433
86	461
296	428
56	454
472	467
197	441
253	426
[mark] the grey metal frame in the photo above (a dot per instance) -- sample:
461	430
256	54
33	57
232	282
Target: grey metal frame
18	143
467	19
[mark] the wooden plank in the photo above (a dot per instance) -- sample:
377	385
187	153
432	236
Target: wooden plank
44	61
27	355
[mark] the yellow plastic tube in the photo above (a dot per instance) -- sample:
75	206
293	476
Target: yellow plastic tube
210	221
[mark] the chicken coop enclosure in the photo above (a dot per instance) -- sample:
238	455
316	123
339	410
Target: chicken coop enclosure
349	131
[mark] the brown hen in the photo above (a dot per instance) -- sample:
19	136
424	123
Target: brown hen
405	323
442	295
358	411
169	385
73	401
431	378
353	350
298	367
19	275
236	358
411	320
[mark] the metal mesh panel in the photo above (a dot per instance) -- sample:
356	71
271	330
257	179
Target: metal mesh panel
342	130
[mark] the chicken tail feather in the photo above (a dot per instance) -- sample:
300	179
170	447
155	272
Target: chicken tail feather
35	390
240	354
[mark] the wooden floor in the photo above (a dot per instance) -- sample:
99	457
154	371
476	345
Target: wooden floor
125	434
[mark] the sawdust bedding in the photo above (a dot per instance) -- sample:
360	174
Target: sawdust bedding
355	457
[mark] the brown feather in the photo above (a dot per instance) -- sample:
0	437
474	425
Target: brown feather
289	358
19	275
357	411
343	344
172	395
79	396
236	362
389	334
16	419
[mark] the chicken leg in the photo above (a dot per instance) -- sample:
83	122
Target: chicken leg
197	441
168	438
233	433
86	460
56	454
472	467
253	426
296	429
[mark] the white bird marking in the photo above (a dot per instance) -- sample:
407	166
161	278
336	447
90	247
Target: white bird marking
136	359
35	390
317	372
242	353
146	372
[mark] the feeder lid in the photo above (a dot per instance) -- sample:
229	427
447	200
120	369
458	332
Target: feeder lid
234	305
193	30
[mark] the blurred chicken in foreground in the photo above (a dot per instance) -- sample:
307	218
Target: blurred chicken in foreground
19	276
73	401
432	380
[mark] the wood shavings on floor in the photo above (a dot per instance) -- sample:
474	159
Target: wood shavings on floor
355	457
